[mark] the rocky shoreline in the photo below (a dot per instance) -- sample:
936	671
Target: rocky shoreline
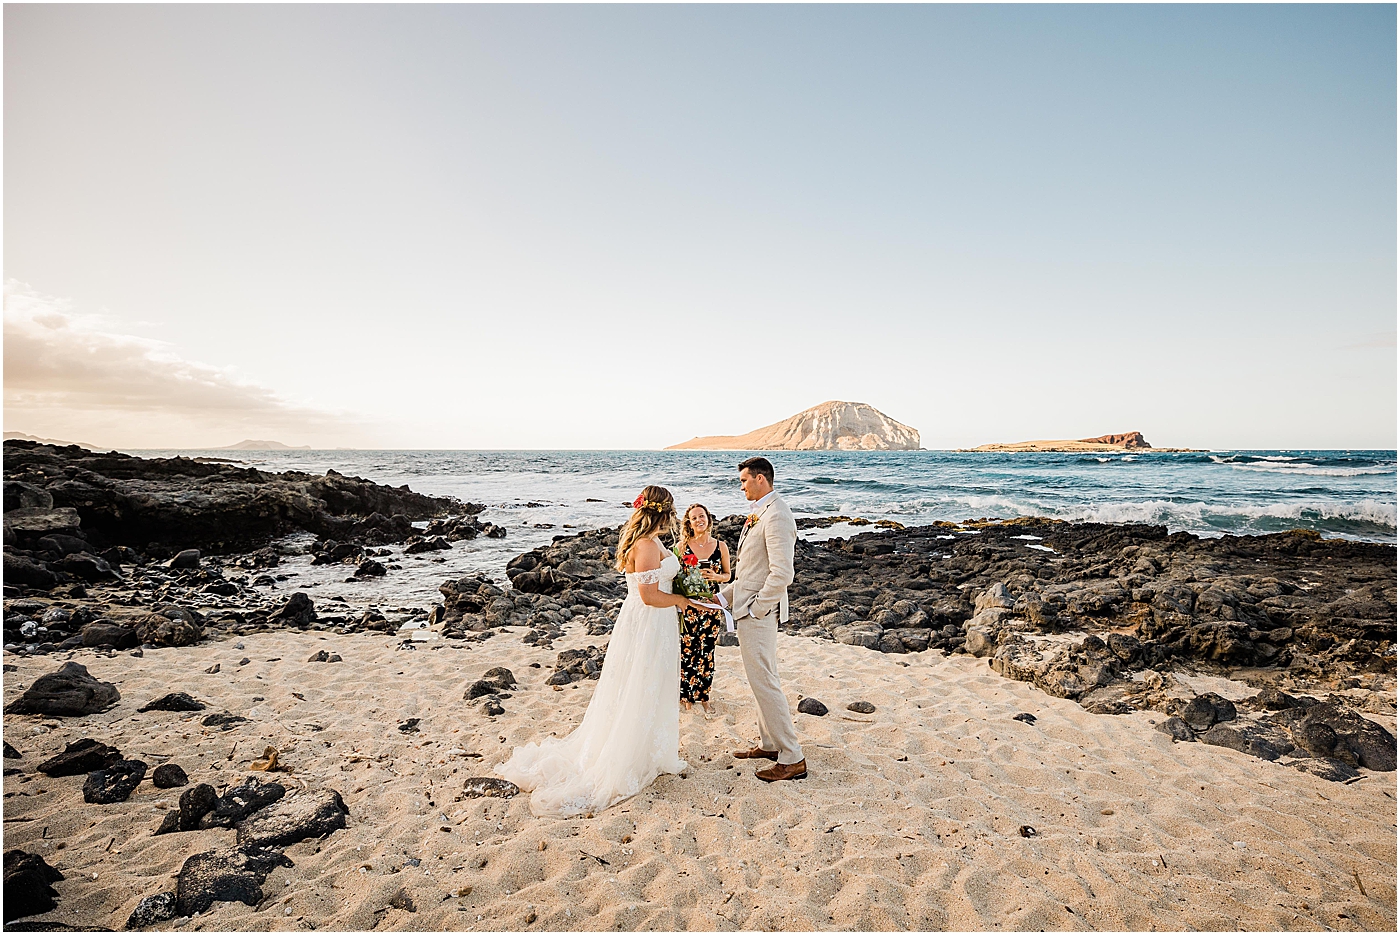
107	555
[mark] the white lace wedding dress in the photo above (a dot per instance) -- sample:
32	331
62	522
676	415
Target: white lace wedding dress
631	731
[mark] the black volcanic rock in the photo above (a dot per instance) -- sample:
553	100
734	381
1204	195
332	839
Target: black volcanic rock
79	757
180	503
169	776
69	692
20	569
294	818
28	885
811	706
224	875
107	633
299	611
151	910
114	783
175	701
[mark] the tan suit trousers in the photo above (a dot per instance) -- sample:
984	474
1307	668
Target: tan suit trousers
758	645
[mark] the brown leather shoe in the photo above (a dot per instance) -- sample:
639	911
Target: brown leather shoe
757	753
780	771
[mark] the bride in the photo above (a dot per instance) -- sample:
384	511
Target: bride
631	732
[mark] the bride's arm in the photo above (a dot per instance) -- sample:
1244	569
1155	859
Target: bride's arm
646	556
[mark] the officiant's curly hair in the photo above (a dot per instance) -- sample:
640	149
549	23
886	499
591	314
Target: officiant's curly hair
655	514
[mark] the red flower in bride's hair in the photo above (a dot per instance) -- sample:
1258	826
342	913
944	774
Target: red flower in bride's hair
637	503
692	561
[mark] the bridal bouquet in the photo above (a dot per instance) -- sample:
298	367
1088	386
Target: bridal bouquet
689	582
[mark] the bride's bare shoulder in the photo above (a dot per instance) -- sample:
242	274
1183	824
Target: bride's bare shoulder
645	556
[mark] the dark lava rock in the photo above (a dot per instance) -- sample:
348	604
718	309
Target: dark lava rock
409	726
79	757
242	800
11	753
571	665
1024	716
482	687
107	633
223	720
169	776
21	570
175	701
88	567
1272	699
1331	731
501	675
319	655
28	885
295	818
186	558
369	568
1177	729
1206	710
490	787
225	875
212	670
194	805
299	611
69	692
1328	768
811	706
433	544
170	626
1263	741
113	784
492	708
180	502
861	707
153	909
728	639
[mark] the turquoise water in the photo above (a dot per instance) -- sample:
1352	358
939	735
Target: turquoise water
1338	493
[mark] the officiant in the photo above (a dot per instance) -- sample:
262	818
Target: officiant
702	627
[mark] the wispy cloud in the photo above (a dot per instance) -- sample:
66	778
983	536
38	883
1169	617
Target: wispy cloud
69	374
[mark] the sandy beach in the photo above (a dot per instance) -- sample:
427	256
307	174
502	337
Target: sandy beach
910	820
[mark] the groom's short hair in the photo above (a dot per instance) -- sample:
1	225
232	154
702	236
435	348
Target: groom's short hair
758	466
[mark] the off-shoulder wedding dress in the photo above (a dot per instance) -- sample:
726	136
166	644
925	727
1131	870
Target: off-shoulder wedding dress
631	731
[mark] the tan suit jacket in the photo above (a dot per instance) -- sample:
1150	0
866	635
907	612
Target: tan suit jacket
764	567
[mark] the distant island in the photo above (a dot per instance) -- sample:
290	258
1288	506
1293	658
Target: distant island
831	426
51	441
1127	441
261	444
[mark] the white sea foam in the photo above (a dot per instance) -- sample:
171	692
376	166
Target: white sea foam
1313	470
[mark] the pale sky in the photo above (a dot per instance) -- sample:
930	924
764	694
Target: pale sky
620	227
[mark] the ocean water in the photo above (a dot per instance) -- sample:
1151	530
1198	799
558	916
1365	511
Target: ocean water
1338	493
537	495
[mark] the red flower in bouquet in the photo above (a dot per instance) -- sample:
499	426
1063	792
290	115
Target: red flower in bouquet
691	560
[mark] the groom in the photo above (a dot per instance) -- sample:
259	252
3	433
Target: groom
759	598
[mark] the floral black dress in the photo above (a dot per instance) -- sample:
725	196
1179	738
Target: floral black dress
702	628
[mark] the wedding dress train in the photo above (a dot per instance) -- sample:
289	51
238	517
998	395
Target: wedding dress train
630	733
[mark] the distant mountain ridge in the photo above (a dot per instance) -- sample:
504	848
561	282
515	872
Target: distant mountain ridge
52	441
834	425
261	444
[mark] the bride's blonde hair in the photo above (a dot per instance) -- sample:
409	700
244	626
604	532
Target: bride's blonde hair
654	513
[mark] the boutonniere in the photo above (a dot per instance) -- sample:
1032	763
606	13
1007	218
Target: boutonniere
752	518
